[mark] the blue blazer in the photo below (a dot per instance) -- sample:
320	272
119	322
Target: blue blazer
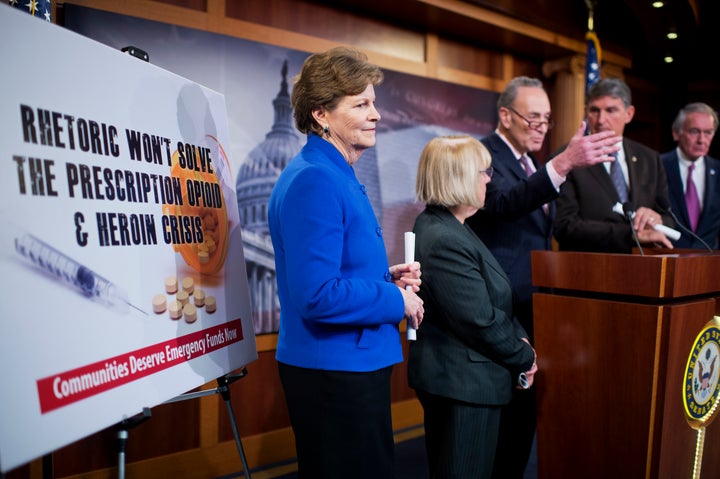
709	224
339	309
513	223
468	347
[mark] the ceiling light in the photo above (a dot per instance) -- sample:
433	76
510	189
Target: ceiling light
672	36
668	59
658	4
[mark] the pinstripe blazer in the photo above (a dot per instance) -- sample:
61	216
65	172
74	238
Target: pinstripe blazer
468	347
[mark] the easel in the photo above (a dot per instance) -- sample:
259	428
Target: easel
224	390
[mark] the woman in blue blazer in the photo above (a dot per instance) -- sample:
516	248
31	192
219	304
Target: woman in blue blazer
340	303
469	353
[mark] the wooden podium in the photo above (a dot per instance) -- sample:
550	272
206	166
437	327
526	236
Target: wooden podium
613	334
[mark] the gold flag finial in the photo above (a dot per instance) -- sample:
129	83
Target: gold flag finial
591	9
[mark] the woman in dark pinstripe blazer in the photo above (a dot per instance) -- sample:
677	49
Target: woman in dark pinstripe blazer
469	353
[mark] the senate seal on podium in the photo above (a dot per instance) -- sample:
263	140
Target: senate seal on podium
701	388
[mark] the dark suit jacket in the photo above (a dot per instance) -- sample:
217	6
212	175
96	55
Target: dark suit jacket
513	223
585	219
709	224
468	347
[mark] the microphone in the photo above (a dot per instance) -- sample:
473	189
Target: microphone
671	233
629	213
664	205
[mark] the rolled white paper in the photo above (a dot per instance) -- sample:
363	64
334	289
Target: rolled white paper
409	258
667	231
671	233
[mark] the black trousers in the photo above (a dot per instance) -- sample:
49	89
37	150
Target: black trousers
517	430
342	422
459	437
517	419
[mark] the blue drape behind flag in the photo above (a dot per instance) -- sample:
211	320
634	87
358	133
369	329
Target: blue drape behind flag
592	60
36	8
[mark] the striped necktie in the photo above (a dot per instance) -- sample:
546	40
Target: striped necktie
616	175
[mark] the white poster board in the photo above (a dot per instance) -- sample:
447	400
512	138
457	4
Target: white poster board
113	174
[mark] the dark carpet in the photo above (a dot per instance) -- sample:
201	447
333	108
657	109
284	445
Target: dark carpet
409	460
410	463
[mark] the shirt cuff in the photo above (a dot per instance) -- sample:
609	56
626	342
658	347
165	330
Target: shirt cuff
554	176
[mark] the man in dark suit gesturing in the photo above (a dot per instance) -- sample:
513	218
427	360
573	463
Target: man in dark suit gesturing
517	218
694	177
586	219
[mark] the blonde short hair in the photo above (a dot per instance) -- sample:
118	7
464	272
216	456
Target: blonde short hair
448	171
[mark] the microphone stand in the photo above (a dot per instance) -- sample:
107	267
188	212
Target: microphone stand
629	216
688	230
628	213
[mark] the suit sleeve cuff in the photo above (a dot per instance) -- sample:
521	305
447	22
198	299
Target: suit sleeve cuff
554	176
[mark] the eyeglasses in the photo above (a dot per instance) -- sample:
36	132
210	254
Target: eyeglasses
534	124
488	172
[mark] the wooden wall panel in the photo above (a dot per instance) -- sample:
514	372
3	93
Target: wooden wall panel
199	5
336	25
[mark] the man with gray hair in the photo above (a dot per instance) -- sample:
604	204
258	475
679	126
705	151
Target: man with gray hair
694	177
587	216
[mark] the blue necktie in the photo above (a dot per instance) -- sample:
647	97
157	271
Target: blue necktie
616	175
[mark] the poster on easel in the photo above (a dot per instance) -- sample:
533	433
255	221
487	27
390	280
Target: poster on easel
121	248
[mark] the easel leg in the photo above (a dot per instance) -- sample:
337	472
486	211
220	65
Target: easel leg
47	467
223	383
122	437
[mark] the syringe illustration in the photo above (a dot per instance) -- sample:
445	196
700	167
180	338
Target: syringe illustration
73	273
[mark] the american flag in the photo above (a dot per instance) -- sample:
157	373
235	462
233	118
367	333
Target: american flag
36	8
592	60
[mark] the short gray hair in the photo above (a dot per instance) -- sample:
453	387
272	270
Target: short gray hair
510	93
613	87
697	107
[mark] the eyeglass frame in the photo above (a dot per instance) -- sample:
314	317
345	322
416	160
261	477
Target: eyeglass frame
488	171
534	124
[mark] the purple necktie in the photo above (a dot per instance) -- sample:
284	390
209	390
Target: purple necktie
691	199
525	161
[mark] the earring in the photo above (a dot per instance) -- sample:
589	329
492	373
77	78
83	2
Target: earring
326	130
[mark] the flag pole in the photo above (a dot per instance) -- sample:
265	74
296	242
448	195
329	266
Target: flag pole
593	59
